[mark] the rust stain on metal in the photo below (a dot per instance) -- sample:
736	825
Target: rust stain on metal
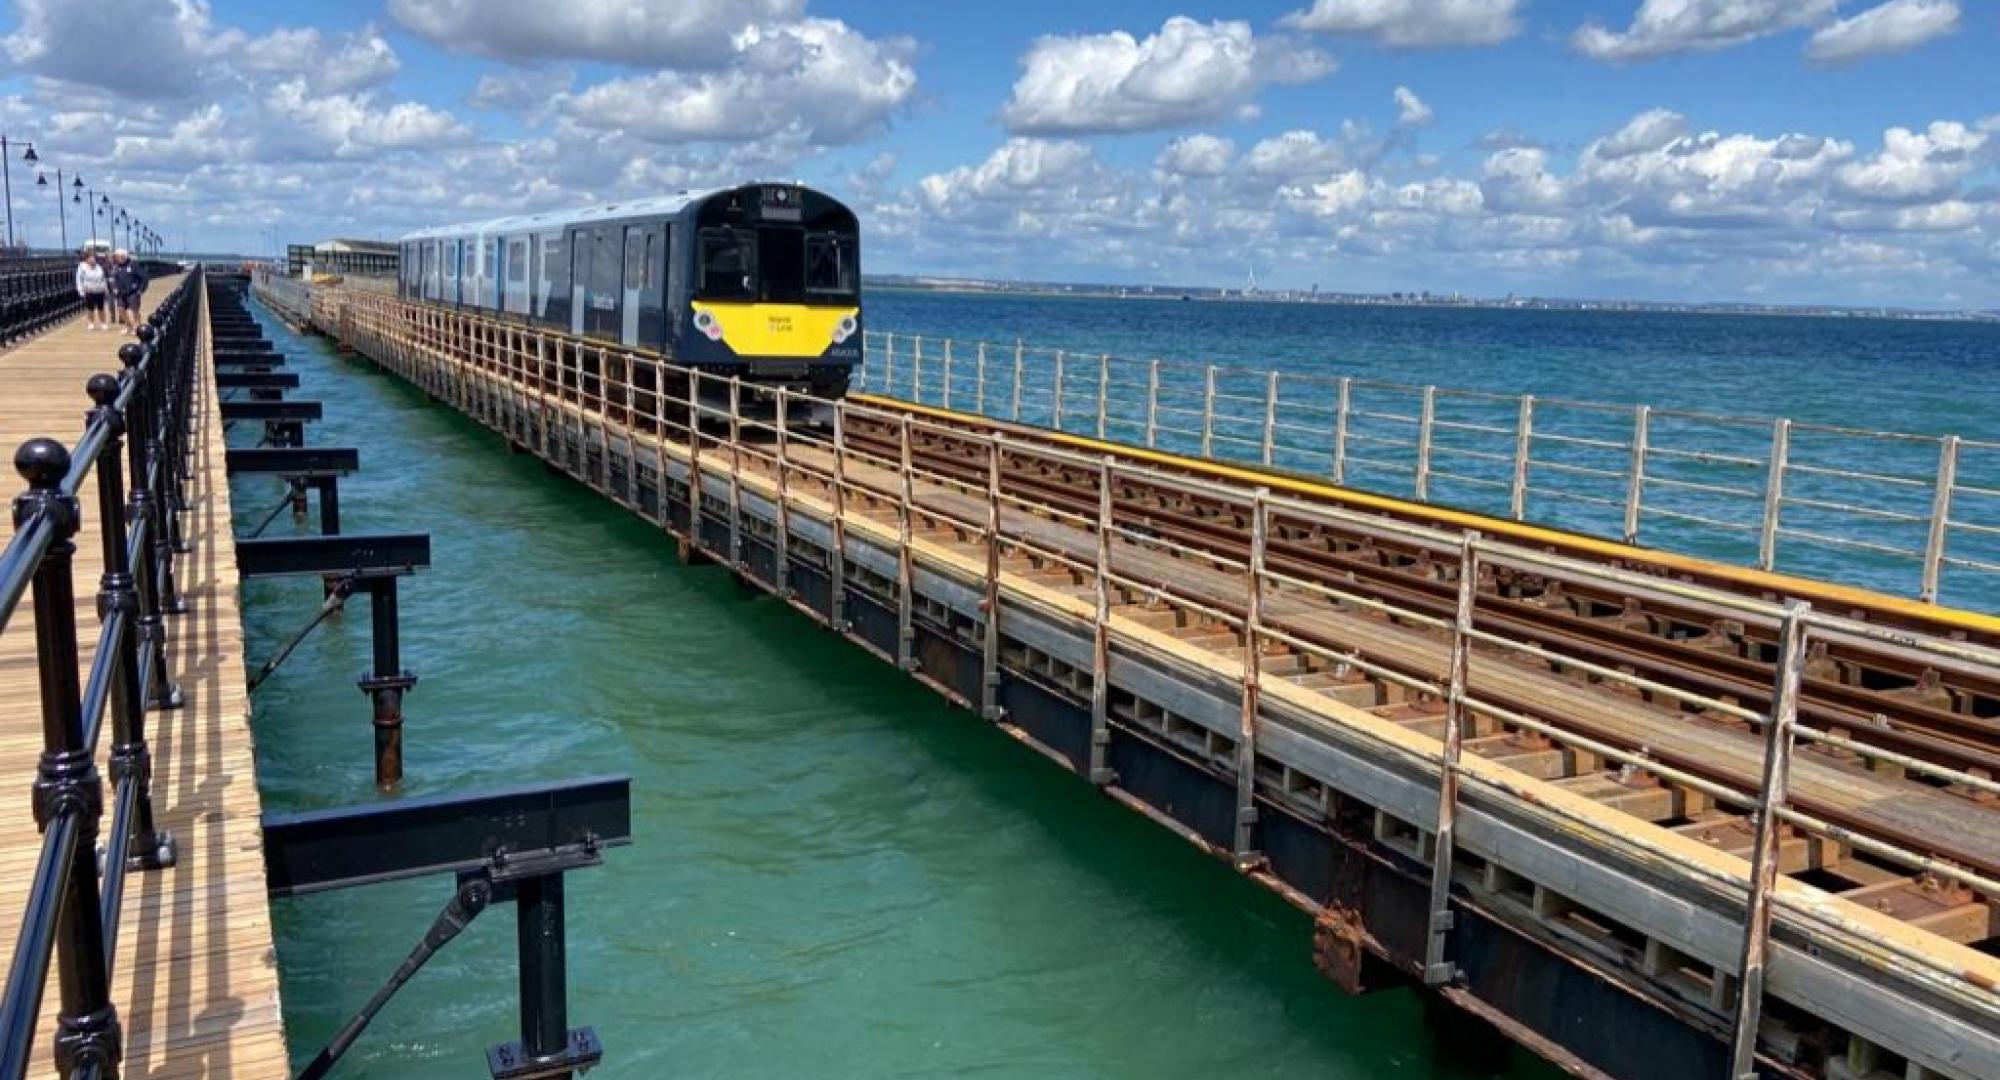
1340	947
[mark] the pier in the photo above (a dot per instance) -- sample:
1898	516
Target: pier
193	981
1646	815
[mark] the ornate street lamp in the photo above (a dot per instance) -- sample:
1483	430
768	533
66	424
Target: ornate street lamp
62	212
7	181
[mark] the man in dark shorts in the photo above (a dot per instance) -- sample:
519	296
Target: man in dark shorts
128	284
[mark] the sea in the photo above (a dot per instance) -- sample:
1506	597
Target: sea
836	874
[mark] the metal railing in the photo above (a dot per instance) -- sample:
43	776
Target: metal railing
138	431
1886	510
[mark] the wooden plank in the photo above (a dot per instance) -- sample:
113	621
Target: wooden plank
195	975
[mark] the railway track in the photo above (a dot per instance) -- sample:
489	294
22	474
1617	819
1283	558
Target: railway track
1876	698
1880	698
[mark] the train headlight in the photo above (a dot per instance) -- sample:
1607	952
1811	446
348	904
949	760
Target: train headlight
844	329
705	322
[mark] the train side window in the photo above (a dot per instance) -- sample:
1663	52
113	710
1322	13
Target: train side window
831	267
728	264
517	262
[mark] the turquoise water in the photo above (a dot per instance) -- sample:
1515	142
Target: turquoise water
1924	378
835	874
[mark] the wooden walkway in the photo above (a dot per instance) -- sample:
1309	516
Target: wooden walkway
195	975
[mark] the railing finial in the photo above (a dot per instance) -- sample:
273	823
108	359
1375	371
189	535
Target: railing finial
131	353
42	463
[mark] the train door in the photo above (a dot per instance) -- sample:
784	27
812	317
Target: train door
653	296
554	305
579	277
606	287
644	287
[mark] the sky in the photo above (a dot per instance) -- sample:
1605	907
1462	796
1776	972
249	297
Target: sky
1839	151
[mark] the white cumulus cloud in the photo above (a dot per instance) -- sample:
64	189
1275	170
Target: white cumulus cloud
1185	73
1410	109
1664	27
1197	155
816	81
1413	24
1897	26
678	33
1916	166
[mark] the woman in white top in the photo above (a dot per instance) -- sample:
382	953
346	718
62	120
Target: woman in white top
90	285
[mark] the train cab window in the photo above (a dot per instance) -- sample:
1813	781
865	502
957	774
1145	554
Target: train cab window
728	264
781	260
832	271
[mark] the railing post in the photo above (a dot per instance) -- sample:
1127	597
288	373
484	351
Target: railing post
1020	373
1524	440
979	380
736	474
1152	403
888	364
917	370
1103	391
1438	970
1635	474
152	572
1343	405
691	543
1771	797
1057	397
906	576
947	373
1426	423
1100	676
1934	544
1208	411
118	596
836	605
1270	415
1774	495
1244	848
989	652
782	564
67	792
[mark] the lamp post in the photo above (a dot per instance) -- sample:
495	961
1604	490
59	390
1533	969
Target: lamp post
7	182
62	212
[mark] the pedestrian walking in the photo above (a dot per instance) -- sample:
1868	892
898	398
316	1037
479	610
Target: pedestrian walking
92	287
128	284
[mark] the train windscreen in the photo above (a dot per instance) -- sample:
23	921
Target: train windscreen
780	265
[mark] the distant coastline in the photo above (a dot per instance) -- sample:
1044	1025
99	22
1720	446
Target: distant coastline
1194	294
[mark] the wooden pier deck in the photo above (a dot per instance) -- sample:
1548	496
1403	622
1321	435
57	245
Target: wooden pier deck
195	977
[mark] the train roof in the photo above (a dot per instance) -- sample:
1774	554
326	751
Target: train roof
548	219
658	204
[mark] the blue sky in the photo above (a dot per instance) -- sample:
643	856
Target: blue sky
1795	150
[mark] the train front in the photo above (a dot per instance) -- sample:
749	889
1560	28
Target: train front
774	295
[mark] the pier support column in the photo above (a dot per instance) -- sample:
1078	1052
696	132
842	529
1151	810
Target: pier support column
387	683
548	1046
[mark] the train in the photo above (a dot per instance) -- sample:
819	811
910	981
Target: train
760	281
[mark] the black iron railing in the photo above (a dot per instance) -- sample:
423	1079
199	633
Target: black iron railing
138	429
